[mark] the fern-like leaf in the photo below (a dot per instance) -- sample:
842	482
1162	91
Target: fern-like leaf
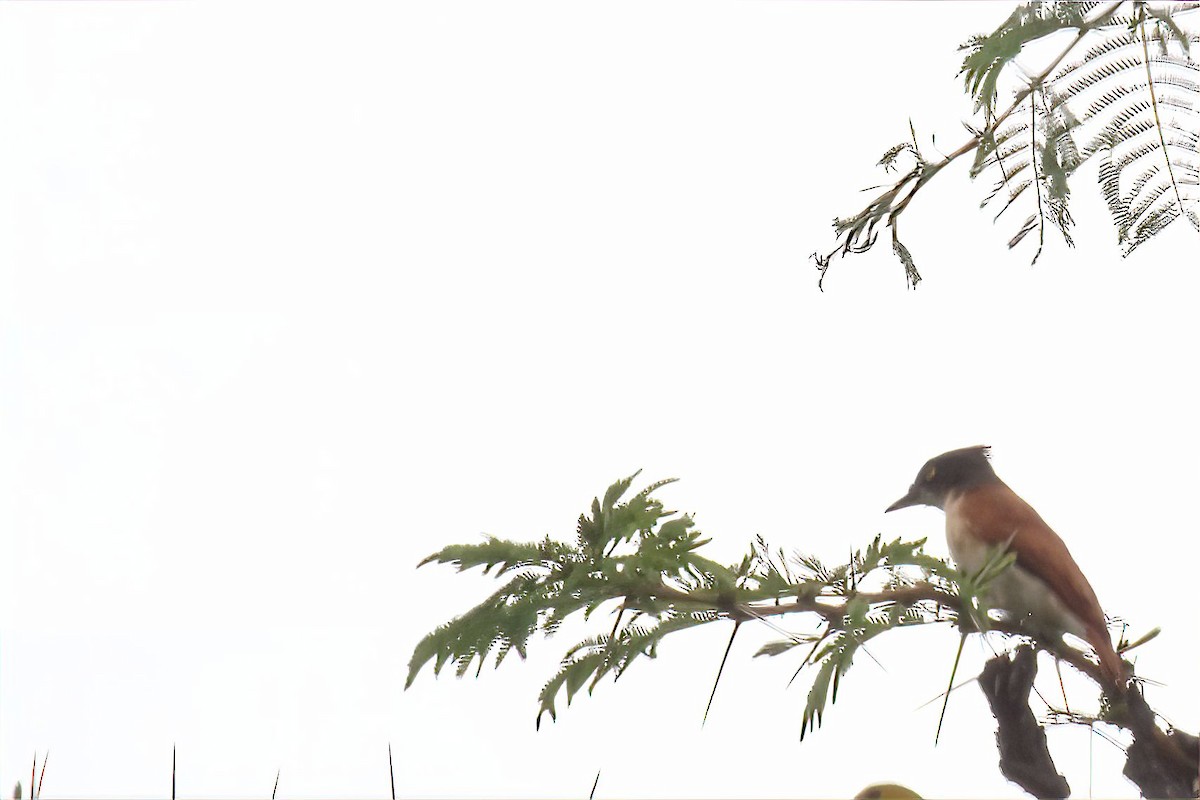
988	56
1134	108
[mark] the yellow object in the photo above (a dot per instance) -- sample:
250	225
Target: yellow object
887	791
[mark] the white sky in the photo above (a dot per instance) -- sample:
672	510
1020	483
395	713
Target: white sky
296	293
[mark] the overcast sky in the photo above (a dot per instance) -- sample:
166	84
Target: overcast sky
296	293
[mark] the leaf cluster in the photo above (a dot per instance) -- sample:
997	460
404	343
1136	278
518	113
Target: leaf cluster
644	562
1130	99
862	614
621	551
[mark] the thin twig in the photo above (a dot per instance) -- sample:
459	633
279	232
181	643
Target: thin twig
1037	178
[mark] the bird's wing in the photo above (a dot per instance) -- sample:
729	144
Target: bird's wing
1039	549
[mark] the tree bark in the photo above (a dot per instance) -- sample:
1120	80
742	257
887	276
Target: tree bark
1162	764
1024	755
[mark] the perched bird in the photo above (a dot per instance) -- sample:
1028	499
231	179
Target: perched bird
1044	587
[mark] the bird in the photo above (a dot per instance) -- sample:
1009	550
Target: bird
1044	587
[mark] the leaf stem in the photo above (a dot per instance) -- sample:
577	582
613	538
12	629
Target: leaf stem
1158	126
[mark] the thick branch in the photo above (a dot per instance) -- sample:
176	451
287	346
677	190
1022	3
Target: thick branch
1024	755
1162	764
834	607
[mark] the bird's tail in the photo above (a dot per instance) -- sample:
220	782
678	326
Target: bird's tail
1111	665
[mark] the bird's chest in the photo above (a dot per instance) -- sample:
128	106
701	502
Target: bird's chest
969	551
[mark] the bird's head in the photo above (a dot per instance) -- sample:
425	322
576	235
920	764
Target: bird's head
950	472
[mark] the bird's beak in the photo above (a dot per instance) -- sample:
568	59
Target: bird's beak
913	498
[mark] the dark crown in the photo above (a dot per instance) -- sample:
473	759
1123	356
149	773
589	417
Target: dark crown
967	466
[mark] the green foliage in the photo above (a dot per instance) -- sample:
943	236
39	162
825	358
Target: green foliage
865	616
554	579
1109	104
590	660
643	560
989	56
1130	100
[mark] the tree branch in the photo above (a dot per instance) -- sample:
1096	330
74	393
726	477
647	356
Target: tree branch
1024	755
1162	764
858	233
667	587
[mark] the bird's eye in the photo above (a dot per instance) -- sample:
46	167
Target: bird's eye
929	475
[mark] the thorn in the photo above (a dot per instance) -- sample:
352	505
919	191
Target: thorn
942	717
720	669
617	622
391	771
863	647
41	777
808	657
940	695
1062	688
